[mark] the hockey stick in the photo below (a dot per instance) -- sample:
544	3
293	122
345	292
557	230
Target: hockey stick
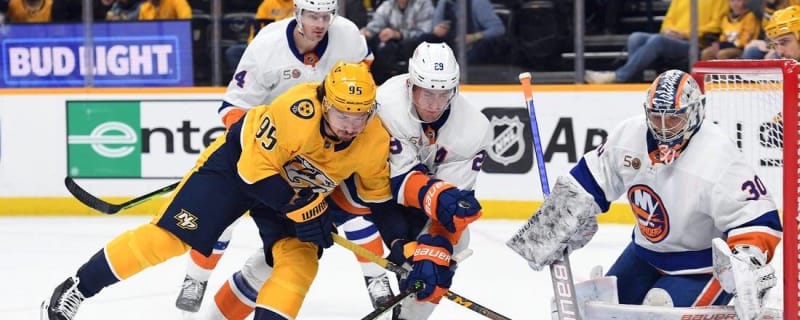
98	204
388	265
560	271
394	301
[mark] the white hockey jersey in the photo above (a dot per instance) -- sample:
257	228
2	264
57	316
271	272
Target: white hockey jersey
707	192
271	63
454	153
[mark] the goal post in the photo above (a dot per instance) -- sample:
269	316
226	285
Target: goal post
756	102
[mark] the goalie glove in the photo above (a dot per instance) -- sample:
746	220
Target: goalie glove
743	272
307	210
566	221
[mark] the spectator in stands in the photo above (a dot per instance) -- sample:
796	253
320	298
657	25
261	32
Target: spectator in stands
268	11
783	32
394	32
165	10
738	29
72	10
669	47
482	28
29	11
759	48
124	10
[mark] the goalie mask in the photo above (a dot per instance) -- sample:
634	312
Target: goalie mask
349	99
314	17
433	80
675	109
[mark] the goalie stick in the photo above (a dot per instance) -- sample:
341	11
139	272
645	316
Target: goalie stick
560	271
388	265
98	204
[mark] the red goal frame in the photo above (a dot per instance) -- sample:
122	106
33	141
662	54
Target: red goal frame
791	186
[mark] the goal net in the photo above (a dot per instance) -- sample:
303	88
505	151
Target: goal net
756	102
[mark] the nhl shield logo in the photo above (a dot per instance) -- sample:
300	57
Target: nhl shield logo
511	149
508	145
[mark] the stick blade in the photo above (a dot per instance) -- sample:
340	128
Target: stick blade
88	199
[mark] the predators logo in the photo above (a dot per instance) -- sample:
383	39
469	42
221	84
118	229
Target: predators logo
651	216
303	109
303	174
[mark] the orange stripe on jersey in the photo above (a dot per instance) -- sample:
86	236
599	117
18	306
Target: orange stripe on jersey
232	116
208	263
375	246
415	181
341	200
764	241
229	303
709	294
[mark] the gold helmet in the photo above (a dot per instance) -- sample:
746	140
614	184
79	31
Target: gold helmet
784	21
349	87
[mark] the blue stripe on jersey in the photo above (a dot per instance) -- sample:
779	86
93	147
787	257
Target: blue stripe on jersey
221	245
676	261
224	105
319	50
244	287
362	233
581	173
769	219
397	181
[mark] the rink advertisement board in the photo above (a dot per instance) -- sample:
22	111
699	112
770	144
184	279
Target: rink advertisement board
122	143
157	53
138	139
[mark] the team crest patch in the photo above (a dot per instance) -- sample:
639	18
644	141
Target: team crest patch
301	173
303	109
295	73
186	220
651	215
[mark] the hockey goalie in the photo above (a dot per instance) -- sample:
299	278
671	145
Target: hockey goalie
706	227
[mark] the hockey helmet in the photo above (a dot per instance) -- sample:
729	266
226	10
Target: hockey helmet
675	107
433	66
784	21
349	87
316	5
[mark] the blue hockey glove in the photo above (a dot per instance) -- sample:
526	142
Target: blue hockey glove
312	224
453	208
431	265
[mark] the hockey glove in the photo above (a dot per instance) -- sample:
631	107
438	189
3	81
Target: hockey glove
307	210
745	273
431	265
453	208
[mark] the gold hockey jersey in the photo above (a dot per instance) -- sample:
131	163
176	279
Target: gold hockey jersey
287	138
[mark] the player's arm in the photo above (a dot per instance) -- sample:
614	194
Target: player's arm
442	201
248	87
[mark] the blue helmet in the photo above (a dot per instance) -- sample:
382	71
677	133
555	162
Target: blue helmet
675	107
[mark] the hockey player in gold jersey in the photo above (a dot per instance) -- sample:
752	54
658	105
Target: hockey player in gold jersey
280	163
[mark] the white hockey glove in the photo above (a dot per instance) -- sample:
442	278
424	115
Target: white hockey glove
566	221
743	272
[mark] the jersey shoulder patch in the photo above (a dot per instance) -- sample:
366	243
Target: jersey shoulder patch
303	108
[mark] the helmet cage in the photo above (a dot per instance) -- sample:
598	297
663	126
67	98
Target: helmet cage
672	127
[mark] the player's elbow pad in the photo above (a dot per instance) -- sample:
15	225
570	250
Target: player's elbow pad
232	116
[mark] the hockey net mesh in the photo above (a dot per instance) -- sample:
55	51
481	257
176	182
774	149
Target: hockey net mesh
749	100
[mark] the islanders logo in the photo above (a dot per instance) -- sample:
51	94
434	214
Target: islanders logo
651	216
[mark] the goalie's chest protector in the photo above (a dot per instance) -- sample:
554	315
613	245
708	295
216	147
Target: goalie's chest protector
681	206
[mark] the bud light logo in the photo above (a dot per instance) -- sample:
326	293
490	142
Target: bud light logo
124	59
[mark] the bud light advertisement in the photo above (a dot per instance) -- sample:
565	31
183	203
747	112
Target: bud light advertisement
123	54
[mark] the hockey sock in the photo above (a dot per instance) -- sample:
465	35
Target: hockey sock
95	275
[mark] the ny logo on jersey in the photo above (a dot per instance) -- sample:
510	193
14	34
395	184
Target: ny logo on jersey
186	220
301	173
651	215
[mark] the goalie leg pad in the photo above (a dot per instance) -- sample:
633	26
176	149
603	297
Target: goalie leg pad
566	220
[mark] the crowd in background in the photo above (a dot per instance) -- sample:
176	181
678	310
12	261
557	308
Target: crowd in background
728	29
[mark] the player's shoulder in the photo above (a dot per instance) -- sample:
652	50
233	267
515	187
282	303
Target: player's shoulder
375	133
468	114
271	34
298	104
342	25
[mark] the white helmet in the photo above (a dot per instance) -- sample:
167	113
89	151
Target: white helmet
675	101
433	66
315	5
